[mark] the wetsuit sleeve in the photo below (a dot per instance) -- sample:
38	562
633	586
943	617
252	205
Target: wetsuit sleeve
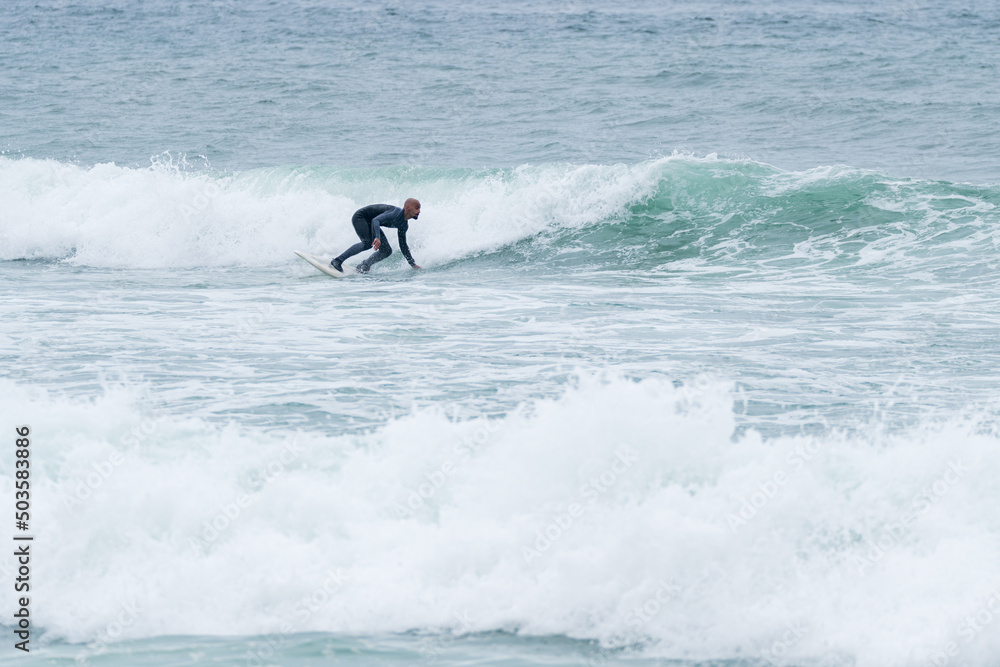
405	249
377	222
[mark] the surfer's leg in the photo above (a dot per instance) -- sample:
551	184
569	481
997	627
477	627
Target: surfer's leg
384	250
353	250
363	228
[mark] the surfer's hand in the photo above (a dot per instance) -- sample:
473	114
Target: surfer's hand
376	243
415	266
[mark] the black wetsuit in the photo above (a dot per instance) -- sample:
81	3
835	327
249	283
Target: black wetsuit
368	223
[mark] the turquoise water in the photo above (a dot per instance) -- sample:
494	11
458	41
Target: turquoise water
700	369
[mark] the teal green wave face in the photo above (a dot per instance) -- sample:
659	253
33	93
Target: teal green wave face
748	215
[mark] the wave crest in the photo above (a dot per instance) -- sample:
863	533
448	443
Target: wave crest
678	212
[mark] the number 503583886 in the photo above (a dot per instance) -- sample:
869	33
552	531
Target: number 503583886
22	475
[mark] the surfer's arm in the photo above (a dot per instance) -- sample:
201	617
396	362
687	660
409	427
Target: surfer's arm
377	227
405	249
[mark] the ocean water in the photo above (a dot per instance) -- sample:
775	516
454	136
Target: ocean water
700	369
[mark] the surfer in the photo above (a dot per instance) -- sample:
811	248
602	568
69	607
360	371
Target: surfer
368	223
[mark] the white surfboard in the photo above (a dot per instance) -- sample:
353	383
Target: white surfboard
321	265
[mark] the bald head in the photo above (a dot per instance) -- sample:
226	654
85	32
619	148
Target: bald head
411	209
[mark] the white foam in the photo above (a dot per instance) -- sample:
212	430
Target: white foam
163	216
433	523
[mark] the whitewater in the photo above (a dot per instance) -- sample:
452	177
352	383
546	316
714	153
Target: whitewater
656	388
699	370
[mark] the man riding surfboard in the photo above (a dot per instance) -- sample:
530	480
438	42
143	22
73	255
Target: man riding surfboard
368	223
